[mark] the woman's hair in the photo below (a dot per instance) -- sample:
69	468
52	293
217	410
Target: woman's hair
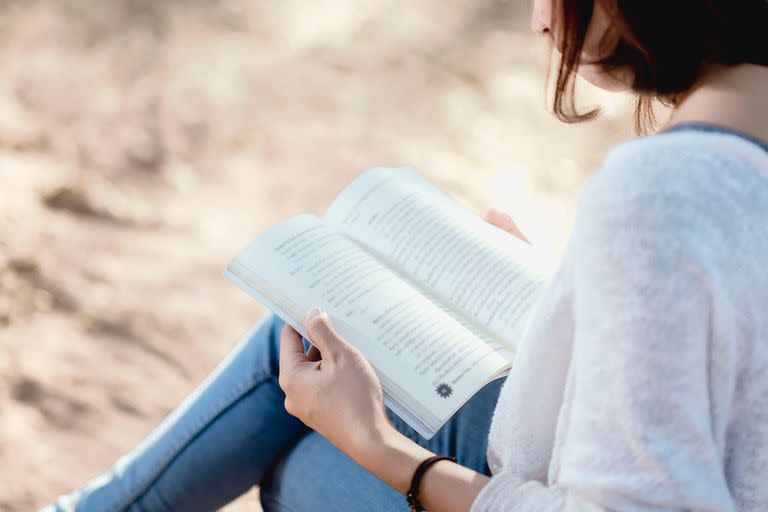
662	44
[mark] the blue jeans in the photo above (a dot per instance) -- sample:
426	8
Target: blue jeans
233	433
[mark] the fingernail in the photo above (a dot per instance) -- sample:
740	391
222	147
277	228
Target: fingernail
314	312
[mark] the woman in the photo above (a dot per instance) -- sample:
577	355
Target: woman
642	383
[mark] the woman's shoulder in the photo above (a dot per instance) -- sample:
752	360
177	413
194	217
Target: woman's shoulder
681	172
704	193
680	164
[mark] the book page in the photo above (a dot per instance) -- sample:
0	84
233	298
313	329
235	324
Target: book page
303	262
486	274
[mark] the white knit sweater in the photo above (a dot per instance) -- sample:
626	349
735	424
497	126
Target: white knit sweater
642	383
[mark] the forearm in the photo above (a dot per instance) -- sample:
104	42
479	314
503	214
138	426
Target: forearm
446	487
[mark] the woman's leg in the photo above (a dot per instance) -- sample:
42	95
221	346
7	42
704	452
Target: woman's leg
216	445
314	475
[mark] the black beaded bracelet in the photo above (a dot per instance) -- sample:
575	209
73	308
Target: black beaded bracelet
413	492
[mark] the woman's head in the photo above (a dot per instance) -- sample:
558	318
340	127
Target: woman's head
657	48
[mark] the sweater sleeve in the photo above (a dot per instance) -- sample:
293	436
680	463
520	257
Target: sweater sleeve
636	431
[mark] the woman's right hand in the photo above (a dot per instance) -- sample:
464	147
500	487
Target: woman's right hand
504	222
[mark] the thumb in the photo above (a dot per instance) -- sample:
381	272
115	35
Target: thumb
323	335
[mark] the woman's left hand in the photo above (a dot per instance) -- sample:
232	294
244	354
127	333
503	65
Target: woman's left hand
332	389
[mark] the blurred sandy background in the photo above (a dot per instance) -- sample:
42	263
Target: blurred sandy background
143	142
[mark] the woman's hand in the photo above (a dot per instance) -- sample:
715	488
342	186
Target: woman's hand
332	389
504	222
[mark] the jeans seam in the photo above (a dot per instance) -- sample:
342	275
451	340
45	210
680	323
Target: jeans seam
190	434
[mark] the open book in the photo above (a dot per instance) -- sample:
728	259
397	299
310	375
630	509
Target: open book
432	295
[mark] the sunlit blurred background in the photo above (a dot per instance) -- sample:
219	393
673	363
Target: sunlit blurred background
143	142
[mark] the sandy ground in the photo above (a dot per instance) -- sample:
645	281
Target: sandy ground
143	143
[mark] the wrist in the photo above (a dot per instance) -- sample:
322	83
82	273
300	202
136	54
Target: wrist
392	457
369	443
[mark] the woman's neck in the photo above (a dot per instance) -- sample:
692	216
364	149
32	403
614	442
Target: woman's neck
735	97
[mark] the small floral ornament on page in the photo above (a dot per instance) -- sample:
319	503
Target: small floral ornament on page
444	390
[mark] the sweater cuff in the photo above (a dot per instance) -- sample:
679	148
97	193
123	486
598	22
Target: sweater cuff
507	491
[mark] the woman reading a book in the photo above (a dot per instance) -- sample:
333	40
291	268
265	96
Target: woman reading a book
641	383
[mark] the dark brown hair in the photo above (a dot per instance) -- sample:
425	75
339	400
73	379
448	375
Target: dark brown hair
661	44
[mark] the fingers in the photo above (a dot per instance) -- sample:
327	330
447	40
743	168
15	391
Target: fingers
504	222
500	219
291	348
313	354
293	363
322	334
